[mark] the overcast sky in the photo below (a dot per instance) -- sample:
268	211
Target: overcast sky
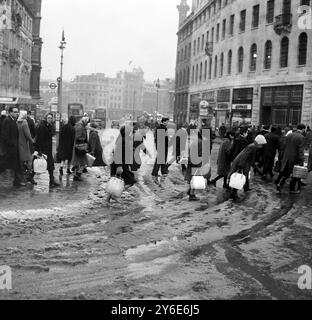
105	35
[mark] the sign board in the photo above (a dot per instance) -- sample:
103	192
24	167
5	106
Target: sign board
242	107
53	107
57	126
52	86
223	106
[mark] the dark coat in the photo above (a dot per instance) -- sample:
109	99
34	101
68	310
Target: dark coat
44	142
95	148
245	160
269	150
25	142
9	157
160	130
2	118
224	158
66	143
240	143
81	136
294	152
32	127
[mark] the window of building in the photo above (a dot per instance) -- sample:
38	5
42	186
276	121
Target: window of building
194	48
221	64
219	5
200	72
198	44
205	70
305	2
240	60
270	11
230	62
218	32
212	35
188	76
190	50
203	43
303	46
231	30
268	55
223	29
181	57
255	16
196	74
286	6
210	67
216	67
242	24
193	74
253	57
284	52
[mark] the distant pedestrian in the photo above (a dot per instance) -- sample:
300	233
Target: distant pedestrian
240	143
66	145
79	157
44	145
222	130
2	118
95	147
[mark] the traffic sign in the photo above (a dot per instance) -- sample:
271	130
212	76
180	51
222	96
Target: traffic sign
57	117
52	86
59	79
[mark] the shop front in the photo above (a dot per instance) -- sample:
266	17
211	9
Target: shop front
281	106
223	111
194	107
242	103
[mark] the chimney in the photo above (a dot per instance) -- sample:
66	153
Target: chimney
183	9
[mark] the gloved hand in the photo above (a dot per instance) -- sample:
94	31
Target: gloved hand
119	171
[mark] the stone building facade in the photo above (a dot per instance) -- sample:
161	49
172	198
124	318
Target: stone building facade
251	62
20	53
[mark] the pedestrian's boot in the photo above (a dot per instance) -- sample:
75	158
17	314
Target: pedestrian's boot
53	183
192	197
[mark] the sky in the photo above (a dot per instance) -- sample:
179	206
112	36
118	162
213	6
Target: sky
105	35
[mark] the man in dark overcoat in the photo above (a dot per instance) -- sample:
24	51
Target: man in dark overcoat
9	155
293	155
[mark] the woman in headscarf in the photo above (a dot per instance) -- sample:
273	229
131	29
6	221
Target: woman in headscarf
25	144
95	147
123	158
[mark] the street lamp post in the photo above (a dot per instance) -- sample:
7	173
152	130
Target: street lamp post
133	109
158	87
60	89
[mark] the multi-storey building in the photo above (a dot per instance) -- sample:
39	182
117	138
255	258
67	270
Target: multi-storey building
250	61
20	53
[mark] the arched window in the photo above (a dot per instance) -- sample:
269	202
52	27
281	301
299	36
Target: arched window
240	60
201	72
205	71
253	57
221	64
284	52
210	67
268	55
303	45
216	67
230	62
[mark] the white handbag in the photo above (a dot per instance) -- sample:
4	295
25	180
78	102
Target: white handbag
237	181
90	160
115	187
198	182
40	165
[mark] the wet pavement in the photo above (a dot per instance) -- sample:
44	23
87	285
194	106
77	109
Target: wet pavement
67	243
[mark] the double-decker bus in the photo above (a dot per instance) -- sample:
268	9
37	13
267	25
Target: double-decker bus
100	116
76	110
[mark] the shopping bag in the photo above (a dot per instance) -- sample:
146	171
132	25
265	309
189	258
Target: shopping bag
237	181
115	187
40	165
198	183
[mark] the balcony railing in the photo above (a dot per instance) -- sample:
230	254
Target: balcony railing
283	23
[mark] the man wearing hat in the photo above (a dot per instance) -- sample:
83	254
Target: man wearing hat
162	144
244	161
